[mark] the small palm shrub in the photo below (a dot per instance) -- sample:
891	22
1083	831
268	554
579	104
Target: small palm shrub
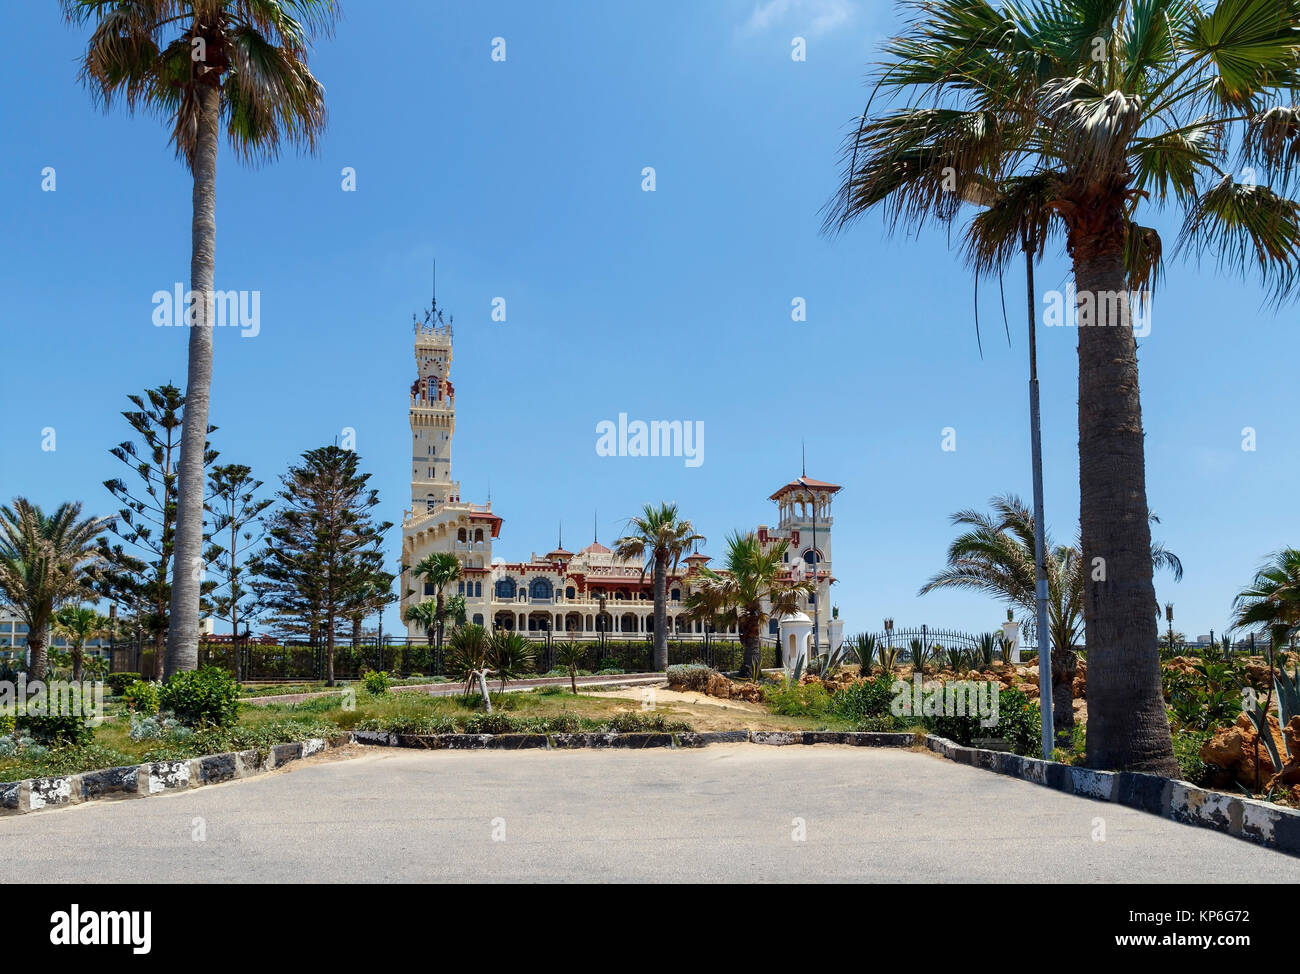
509	655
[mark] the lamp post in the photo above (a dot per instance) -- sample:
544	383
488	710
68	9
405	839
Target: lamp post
1169	618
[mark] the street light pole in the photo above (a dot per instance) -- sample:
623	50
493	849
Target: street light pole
1040	525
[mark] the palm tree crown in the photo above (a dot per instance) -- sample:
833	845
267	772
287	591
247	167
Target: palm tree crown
754	586
660	537
1272	602
43	560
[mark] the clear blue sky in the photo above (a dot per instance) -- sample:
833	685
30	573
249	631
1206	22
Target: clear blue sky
524	179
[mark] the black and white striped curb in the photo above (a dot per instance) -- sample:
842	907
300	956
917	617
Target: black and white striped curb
154	778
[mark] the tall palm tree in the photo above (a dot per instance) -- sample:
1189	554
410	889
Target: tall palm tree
1093	108
43	560
77	624
1272	602
658	537
439	569
199	64
755	585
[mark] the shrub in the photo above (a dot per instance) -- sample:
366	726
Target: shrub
494	723
161	727
640	721
209	696
141	697
7	722
689	676
376	682
57	730
869	699
117	682
1187	750
1018	723
798	700
410	723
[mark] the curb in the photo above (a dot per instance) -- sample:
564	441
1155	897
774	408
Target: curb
153	778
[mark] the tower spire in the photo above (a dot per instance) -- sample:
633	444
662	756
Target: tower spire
803	459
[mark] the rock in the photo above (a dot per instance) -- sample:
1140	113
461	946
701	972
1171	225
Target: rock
718	686
751	692
1232	750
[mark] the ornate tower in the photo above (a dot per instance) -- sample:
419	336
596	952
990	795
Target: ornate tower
433	416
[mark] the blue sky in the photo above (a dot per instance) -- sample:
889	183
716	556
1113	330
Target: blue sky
523	178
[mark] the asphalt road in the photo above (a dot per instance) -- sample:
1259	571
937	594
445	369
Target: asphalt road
743	813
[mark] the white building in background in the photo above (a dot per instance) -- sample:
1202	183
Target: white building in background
575	594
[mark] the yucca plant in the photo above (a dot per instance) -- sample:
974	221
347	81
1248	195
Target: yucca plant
510	655
469	659
570	655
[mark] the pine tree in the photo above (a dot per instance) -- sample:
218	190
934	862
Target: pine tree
323	548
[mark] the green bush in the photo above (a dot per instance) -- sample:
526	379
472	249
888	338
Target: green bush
869	699
57	730
7	723
117	682
798	700
1019	724
376	682
494	723
641	721
1187	750
410	723
142	698
691	676
209	696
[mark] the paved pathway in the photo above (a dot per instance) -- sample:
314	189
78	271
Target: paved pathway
719	813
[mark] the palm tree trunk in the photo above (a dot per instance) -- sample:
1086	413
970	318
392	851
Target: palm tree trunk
753	651
78	660
1128	728
661	614
183	633
40	657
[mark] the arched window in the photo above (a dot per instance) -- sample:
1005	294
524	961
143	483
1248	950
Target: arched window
676	595
478	590
478	618
506	588
478	534
812	556
570	593
461	535
772	627
540	588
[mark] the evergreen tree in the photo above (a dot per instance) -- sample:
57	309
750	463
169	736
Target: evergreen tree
323	548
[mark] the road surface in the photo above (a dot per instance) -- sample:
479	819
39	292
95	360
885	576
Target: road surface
740	813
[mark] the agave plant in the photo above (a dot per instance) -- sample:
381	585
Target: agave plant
954	656
825	664
919	655
865	646
985	647
888	656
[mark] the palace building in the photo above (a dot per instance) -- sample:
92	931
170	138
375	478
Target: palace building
572	594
